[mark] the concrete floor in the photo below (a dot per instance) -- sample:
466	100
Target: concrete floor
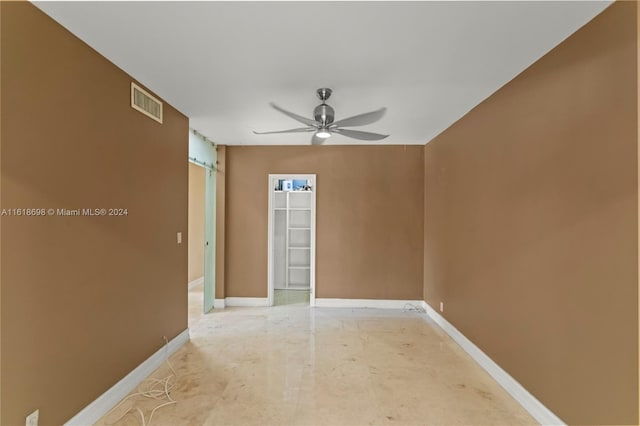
296	365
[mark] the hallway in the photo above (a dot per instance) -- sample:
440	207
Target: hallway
295	365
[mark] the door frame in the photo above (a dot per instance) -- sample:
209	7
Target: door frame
312	251
209	249
209	240
203	153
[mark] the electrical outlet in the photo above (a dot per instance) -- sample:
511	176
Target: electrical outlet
32	419
179	237
441	306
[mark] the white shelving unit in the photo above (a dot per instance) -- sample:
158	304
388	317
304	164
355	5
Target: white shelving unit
291	237
297	239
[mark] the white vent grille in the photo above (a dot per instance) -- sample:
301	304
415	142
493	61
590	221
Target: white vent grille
144	102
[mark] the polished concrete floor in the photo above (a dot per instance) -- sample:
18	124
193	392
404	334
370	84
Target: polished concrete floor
296	365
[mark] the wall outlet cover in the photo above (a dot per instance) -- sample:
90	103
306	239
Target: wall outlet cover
441	306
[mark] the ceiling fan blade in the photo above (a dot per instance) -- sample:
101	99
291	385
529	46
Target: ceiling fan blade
358	134
298	130
316	140
361	120
303	120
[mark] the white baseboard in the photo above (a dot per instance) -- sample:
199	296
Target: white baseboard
196	282
246	301
219	303
529	402
105	402
364	303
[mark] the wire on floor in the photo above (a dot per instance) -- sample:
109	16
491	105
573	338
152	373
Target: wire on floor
410	307
158	389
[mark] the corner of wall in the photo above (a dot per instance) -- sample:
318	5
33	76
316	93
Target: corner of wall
424	224
638	195
221	208
1	4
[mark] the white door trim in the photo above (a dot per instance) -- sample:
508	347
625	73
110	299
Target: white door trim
314	187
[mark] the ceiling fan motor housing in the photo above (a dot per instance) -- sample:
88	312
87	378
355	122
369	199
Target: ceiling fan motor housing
324	114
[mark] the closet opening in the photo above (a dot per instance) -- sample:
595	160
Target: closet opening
292	238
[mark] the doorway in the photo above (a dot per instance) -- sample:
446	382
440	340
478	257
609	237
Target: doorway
202	196
292	239
195	238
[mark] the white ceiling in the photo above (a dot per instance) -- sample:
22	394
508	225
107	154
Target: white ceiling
220	63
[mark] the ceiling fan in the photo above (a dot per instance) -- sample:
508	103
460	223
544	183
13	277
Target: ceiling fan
323	126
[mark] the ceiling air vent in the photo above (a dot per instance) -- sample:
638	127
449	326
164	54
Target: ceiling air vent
144	102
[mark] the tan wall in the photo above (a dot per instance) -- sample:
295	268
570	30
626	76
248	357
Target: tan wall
84	299
196	221
531	235
369	218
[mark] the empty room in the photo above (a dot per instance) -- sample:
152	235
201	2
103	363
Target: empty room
319	213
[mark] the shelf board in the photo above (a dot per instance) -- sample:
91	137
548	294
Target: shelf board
299	228
299	248
299	267
300	208
299	286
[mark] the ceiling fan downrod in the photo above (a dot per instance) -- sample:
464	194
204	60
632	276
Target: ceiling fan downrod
324	93
323	113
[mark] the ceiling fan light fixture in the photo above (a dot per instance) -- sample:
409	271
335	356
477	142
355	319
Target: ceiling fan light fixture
323	133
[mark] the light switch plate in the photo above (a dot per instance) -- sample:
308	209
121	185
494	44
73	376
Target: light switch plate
32	419
179	237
